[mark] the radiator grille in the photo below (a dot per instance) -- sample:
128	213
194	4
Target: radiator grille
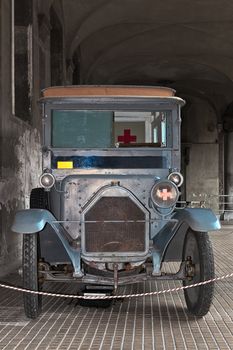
114	237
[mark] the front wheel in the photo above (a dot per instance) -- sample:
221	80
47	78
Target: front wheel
31	256
198	254
32	302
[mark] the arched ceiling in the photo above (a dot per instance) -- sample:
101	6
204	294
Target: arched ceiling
185	44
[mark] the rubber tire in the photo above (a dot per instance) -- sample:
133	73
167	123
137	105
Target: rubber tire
32	302
199	299
31	255
39	199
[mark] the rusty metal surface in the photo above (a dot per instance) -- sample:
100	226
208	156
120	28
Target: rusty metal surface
154	322
114	237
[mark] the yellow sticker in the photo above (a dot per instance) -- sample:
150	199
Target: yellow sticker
65	165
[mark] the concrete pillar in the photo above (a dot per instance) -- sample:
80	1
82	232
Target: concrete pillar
69	72
44	51
229	176
200	144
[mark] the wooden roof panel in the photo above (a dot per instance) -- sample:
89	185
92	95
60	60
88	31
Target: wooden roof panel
88	90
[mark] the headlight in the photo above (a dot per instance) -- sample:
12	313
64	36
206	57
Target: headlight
47	180
164	194
177	178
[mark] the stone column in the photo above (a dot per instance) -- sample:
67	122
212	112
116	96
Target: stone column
229	175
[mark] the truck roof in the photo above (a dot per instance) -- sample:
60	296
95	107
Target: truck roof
113	91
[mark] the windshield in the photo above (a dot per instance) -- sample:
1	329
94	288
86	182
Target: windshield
108	129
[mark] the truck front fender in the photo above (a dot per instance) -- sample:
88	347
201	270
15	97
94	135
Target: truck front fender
199	219
34	220
31	220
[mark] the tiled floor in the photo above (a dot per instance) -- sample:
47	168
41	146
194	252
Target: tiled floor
154	322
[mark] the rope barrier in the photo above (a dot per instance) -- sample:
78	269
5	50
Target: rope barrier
135	295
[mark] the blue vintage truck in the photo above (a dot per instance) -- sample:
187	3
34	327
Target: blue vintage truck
105	212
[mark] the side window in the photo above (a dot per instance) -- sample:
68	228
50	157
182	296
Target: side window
143	128
155	137
158	127
131	128
161	128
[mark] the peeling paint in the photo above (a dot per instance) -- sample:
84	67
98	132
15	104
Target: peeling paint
19	141
28	153
24	167
27	168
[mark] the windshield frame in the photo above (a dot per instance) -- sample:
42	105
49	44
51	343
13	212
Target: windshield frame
113	104
104	129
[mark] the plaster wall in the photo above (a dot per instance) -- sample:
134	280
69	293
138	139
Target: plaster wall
20	152
20	141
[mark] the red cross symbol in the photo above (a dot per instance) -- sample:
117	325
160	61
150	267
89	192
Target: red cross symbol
127	138
164	194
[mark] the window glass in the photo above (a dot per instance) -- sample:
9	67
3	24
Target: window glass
155	134
163	132
108	129
82	129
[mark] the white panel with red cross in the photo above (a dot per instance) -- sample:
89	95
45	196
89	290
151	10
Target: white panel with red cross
129	132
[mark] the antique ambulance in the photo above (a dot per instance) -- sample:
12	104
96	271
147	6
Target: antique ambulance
105	211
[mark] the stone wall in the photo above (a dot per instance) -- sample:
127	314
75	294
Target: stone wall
20	136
